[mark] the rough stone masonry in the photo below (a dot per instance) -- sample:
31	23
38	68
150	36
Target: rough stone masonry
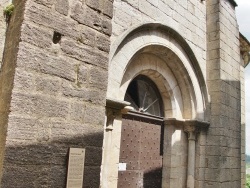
53	92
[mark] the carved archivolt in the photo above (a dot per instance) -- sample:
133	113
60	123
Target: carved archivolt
161	54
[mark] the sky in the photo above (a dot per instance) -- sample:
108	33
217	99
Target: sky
242	13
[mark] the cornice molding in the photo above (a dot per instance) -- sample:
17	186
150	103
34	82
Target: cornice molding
188	124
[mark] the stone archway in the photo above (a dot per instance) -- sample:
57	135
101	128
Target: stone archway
158	54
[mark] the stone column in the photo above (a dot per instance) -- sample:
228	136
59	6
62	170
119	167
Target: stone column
191	155
192	128
111	144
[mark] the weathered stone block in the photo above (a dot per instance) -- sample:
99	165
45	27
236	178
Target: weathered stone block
96	96
102	42
24	80
91	18
74	134
39	105
94	115
52	19
87	35
73	91
93	156
37	36
86	15
62	6
89	181
84	94
24	176
83	75
48	63
108	8
33	154
98	78
96	5
47	3
47	85
22	128
84	53
104	6
77	111
57	176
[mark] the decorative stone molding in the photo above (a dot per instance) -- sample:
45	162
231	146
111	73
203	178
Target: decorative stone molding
192	127
188	124
244	50
159	43
115	108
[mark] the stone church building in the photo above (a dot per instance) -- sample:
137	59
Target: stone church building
152	91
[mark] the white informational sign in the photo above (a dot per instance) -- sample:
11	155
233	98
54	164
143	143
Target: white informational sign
75	168
122	167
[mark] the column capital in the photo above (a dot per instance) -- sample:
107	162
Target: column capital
192	127
195	125
115	108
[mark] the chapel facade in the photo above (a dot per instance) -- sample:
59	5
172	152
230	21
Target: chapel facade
152	90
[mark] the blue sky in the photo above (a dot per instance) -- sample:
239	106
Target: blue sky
242	12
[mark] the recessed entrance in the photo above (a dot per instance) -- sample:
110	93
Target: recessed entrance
142	137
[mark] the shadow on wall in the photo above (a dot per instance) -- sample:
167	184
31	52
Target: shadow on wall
152	179
45	164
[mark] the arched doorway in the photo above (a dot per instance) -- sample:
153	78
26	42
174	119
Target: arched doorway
140	161
163	56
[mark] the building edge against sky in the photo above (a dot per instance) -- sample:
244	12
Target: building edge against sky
242	12
65	70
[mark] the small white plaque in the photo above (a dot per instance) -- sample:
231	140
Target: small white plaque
75	168
122	167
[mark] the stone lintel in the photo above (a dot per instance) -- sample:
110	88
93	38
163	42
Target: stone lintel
116	104
188	124
174	121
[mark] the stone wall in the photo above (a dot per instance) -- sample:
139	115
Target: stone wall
223	153
243	125
59	78
187	17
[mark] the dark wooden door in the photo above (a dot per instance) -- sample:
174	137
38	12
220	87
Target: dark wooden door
140	151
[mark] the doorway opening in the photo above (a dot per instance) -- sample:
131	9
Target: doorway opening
141	150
